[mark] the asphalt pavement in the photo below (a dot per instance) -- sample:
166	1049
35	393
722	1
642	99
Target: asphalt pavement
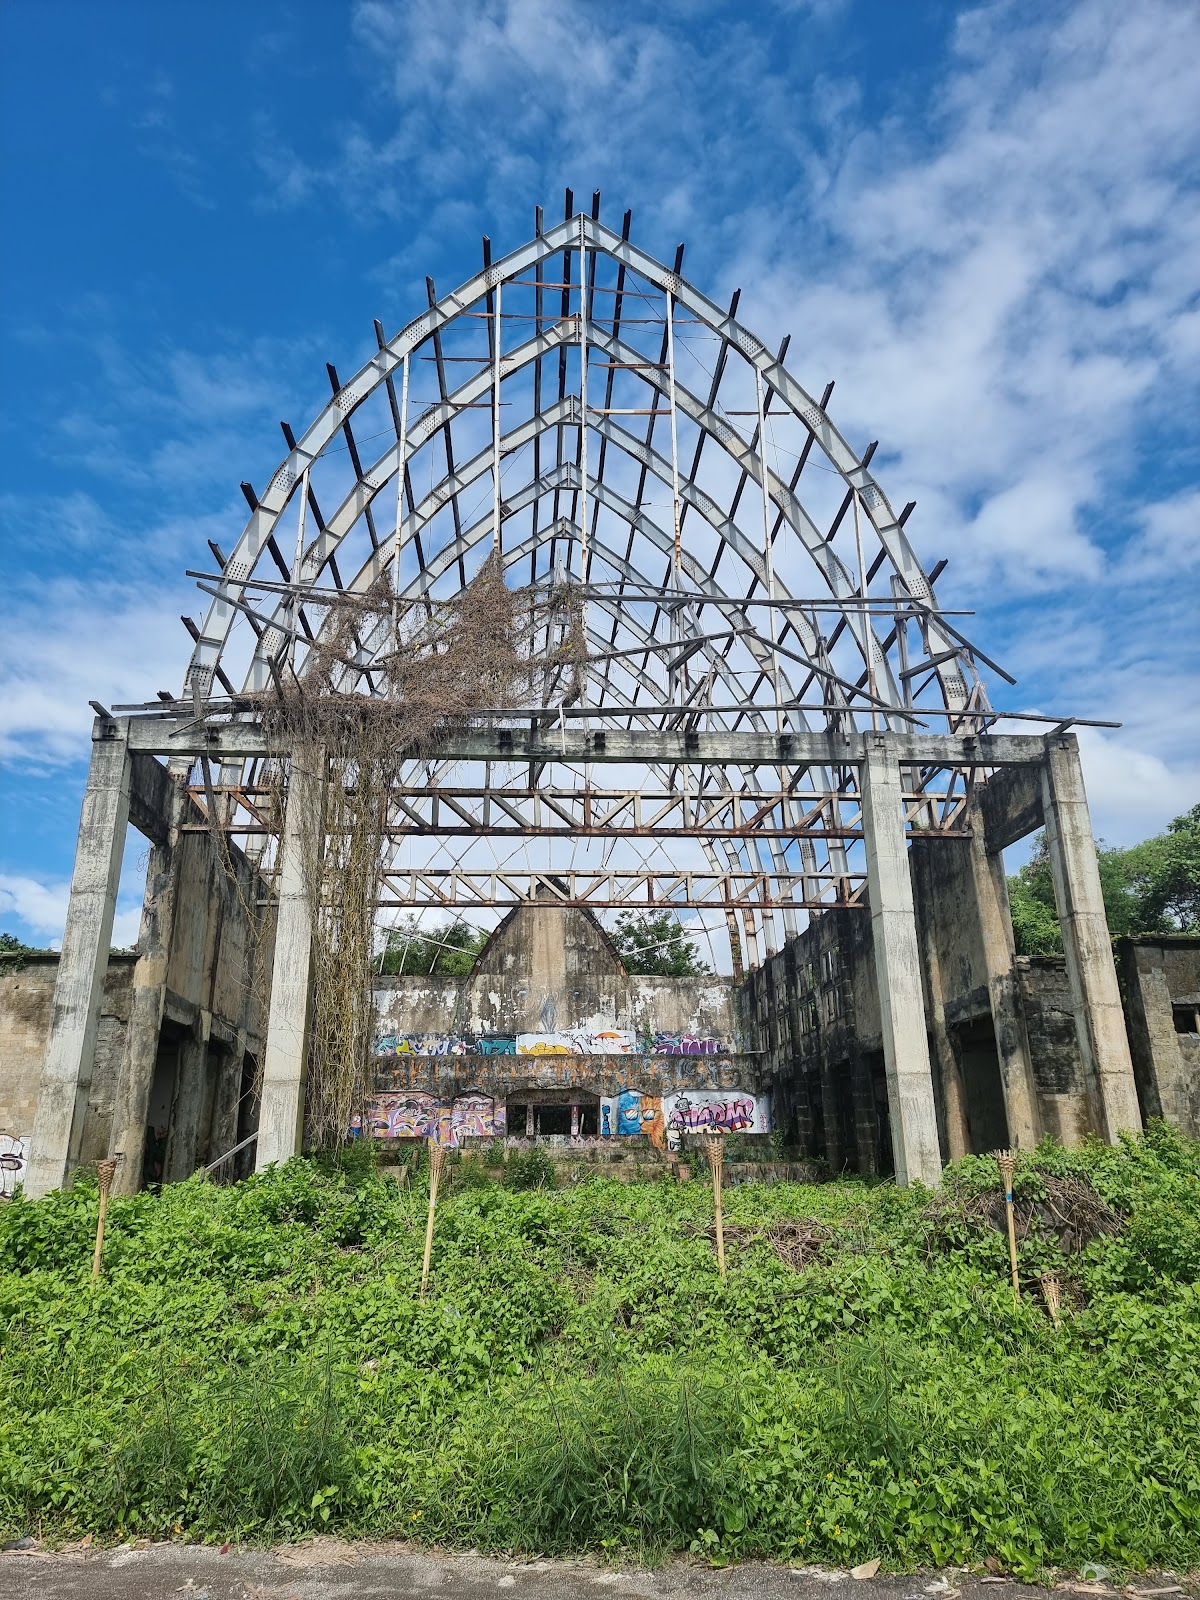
327	1569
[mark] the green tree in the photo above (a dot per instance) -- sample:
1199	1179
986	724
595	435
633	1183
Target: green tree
1152	887
448	948
655	942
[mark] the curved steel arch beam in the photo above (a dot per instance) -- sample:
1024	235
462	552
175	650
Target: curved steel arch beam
566	235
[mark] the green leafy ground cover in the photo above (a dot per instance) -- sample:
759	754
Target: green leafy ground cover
256	1363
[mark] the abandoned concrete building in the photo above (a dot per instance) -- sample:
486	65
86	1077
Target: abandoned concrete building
715	678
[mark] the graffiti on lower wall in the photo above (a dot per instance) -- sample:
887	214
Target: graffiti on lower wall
719	1111
12	1164
423	1116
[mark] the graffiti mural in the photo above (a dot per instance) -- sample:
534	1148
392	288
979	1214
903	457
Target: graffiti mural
472	1116
578	1042
633	1112
421	1044
717	1112
501	1045
409	1116
12	1164
680	1044
424	1116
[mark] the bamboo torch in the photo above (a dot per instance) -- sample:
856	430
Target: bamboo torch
1052	1290
716	1155
104	1171
437	1160
1008	1165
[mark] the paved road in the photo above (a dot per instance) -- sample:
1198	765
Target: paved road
329	1570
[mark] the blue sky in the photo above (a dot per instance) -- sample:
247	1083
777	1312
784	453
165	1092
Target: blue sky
982	221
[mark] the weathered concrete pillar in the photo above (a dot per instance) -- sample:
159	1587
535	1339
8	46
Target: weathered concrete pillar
1000	956
132	1105
79	988
180	1160
285	1063
898	968
1099	1018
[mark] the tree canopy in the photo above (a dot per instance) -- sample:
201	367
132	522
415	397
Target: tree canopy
448	948
1151	887
656	942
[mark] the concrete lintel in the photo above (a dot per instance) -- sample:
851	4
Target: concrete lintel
232	741
150	798
1010	803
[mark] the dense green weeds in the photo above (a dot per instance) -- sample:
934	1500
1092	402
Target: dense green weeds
255	1362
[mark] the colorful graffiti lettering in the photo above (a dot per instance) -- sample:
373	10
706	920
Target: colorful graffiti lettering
680	1044
715	1113
422	1116
506	1046
578	1042
12	1164
472	1117
421	1044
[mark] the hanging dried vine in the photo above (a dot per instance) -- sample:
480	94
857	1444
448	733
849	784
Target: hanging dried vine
380	684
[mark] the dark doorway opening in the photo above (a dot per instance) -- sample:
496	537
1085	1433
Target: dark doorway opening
885	1159
979	1062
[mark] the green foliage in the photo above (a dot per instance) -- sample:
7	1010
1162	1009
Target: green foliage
1153	887
449	948
655	942
13	952
256	1361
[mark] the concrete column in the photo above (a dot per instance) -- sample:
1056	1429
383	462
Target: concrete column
79	989
898	969
1000	956
285	1064
132	1105
1099	1018
180	1160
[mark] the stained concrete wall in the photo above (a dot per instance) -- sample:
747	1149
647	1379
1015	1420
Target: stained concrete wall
1161	982
26	1002
548	968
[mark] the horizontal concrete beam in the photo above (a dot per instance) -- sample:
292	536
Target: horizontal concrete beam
234	741
1011	806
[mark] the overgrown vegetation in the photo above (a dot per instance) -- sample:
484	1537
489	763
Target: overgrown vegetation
343	733
1150	888
657	942
255	1362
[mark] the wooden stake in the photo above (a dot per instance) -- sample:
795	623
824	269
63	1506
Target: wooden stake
1008	1165
104	1171
716	1155
437	1160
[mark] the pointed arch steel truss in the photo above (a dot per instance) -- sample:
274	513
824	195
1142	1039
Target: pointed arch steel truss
584	411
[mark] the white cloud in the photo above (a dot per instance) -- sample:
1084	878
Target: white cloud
67	642
42	907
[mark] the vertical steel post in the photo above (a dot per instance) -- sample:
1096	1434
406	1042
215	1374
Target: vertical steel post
496	426
401	467
298	567
583	404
